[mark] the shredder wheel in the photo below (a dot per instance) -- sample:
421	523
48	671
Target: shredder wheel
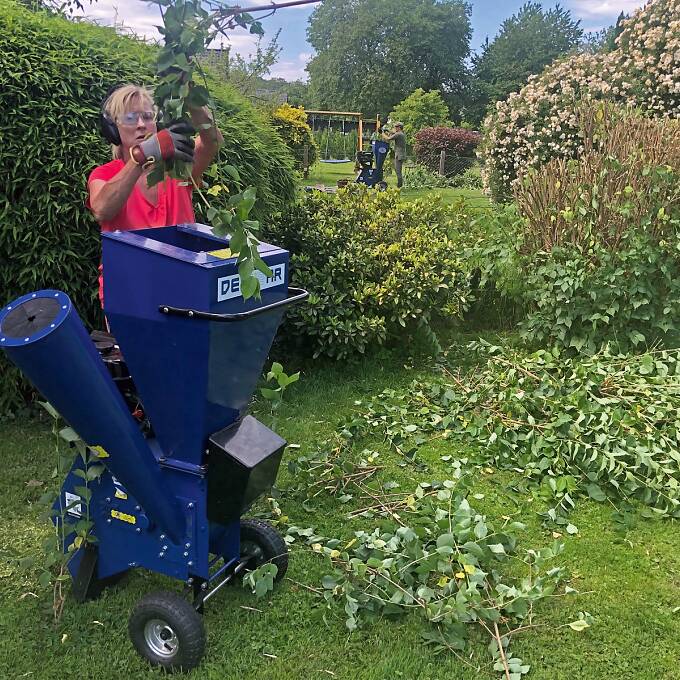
167	631
262	543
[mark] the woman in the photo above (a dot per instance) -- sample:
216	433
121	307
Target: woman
119	196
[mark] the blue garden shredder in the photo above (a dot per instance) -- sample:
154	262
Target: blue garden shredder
162	406
368	174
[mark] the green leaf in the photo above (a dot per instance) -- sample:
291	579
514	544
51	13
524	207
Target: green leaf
329	582
596	493
579	625
198	97
646	364
250	285
232	172
446	540
95	471
50	409
272	395
69	435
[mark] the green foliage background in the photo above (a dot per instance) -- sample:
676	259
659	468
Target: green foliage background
53	76
420	110
526	43
373	53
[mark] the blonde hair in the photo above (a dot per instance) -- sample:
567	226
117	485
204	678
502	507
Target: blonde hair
117	104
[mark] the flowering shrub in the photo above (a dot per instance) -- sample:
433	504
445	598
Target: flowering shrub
456	142
291	124
540	121
594	259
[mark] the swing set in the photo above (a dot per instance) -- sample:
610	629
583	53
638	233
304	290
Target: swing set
345	115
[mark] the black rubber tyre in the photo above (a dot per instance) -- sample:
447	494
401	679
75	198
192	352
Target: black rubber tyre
167	631
262	543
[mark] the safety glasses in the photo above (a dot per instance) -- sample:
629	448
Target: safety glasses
130	118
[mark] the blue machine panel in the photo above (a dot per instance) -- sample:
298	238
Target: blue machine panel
194	376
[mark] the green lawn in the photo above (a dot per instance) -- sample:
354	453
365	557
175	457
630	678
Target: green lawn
631	587
328	174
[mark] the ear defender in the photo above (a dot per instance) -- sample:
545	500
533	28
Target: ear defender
107	125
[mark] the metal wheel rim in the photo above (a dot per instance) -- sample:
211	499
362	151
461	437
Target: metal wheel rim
252	552
155	633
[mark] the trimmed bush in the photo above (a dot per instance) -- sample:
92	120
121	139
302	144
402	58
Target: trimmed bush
540	122
53	77
291	124
375	265
625	180
455	142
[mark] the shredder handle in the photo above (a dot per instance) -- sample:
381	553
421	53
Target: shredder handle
299	294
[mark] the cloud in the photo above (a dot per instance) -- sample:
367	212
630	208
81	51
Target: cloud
133	15
598	9
292	69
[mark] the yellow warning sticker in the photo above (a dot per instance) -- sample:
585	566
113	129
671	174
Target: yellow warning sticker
124	517
99	451
121	494
223	253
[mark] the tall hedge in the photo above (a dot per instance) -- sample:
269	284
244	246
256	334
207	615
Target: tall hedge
53	77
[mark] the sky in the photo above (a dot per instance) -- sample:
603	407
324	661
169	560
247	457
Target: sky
141	17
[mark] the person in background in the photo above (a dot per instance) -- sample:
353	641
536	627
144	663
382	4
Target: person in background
118	193
399	139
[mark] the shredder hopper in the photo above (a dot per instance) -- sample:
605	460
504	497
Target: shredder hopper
194	375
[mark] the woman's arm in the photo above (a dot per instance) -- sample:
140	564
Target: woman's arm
107	198
208	144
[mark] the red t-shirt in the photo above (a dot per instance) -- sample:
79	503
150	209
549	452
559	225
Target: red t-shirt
173	206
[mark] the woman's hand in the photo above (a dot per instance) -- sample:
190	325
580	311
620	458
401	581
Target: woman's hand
171	142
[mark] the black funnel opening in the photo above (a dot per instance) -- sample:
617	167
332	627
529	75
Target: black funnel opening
30	317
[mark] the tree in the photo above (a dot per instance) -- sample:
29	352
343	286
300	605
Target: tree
246	73
526	43
371	54
420	110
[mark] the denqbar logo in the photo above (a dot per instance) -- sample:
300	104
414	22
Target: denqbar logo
230	287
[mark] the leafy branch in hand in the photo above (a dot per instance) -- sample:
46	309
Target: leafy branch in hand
188	28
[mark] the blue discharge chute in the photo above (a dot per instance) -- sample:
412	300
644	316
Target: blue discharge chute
161	409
